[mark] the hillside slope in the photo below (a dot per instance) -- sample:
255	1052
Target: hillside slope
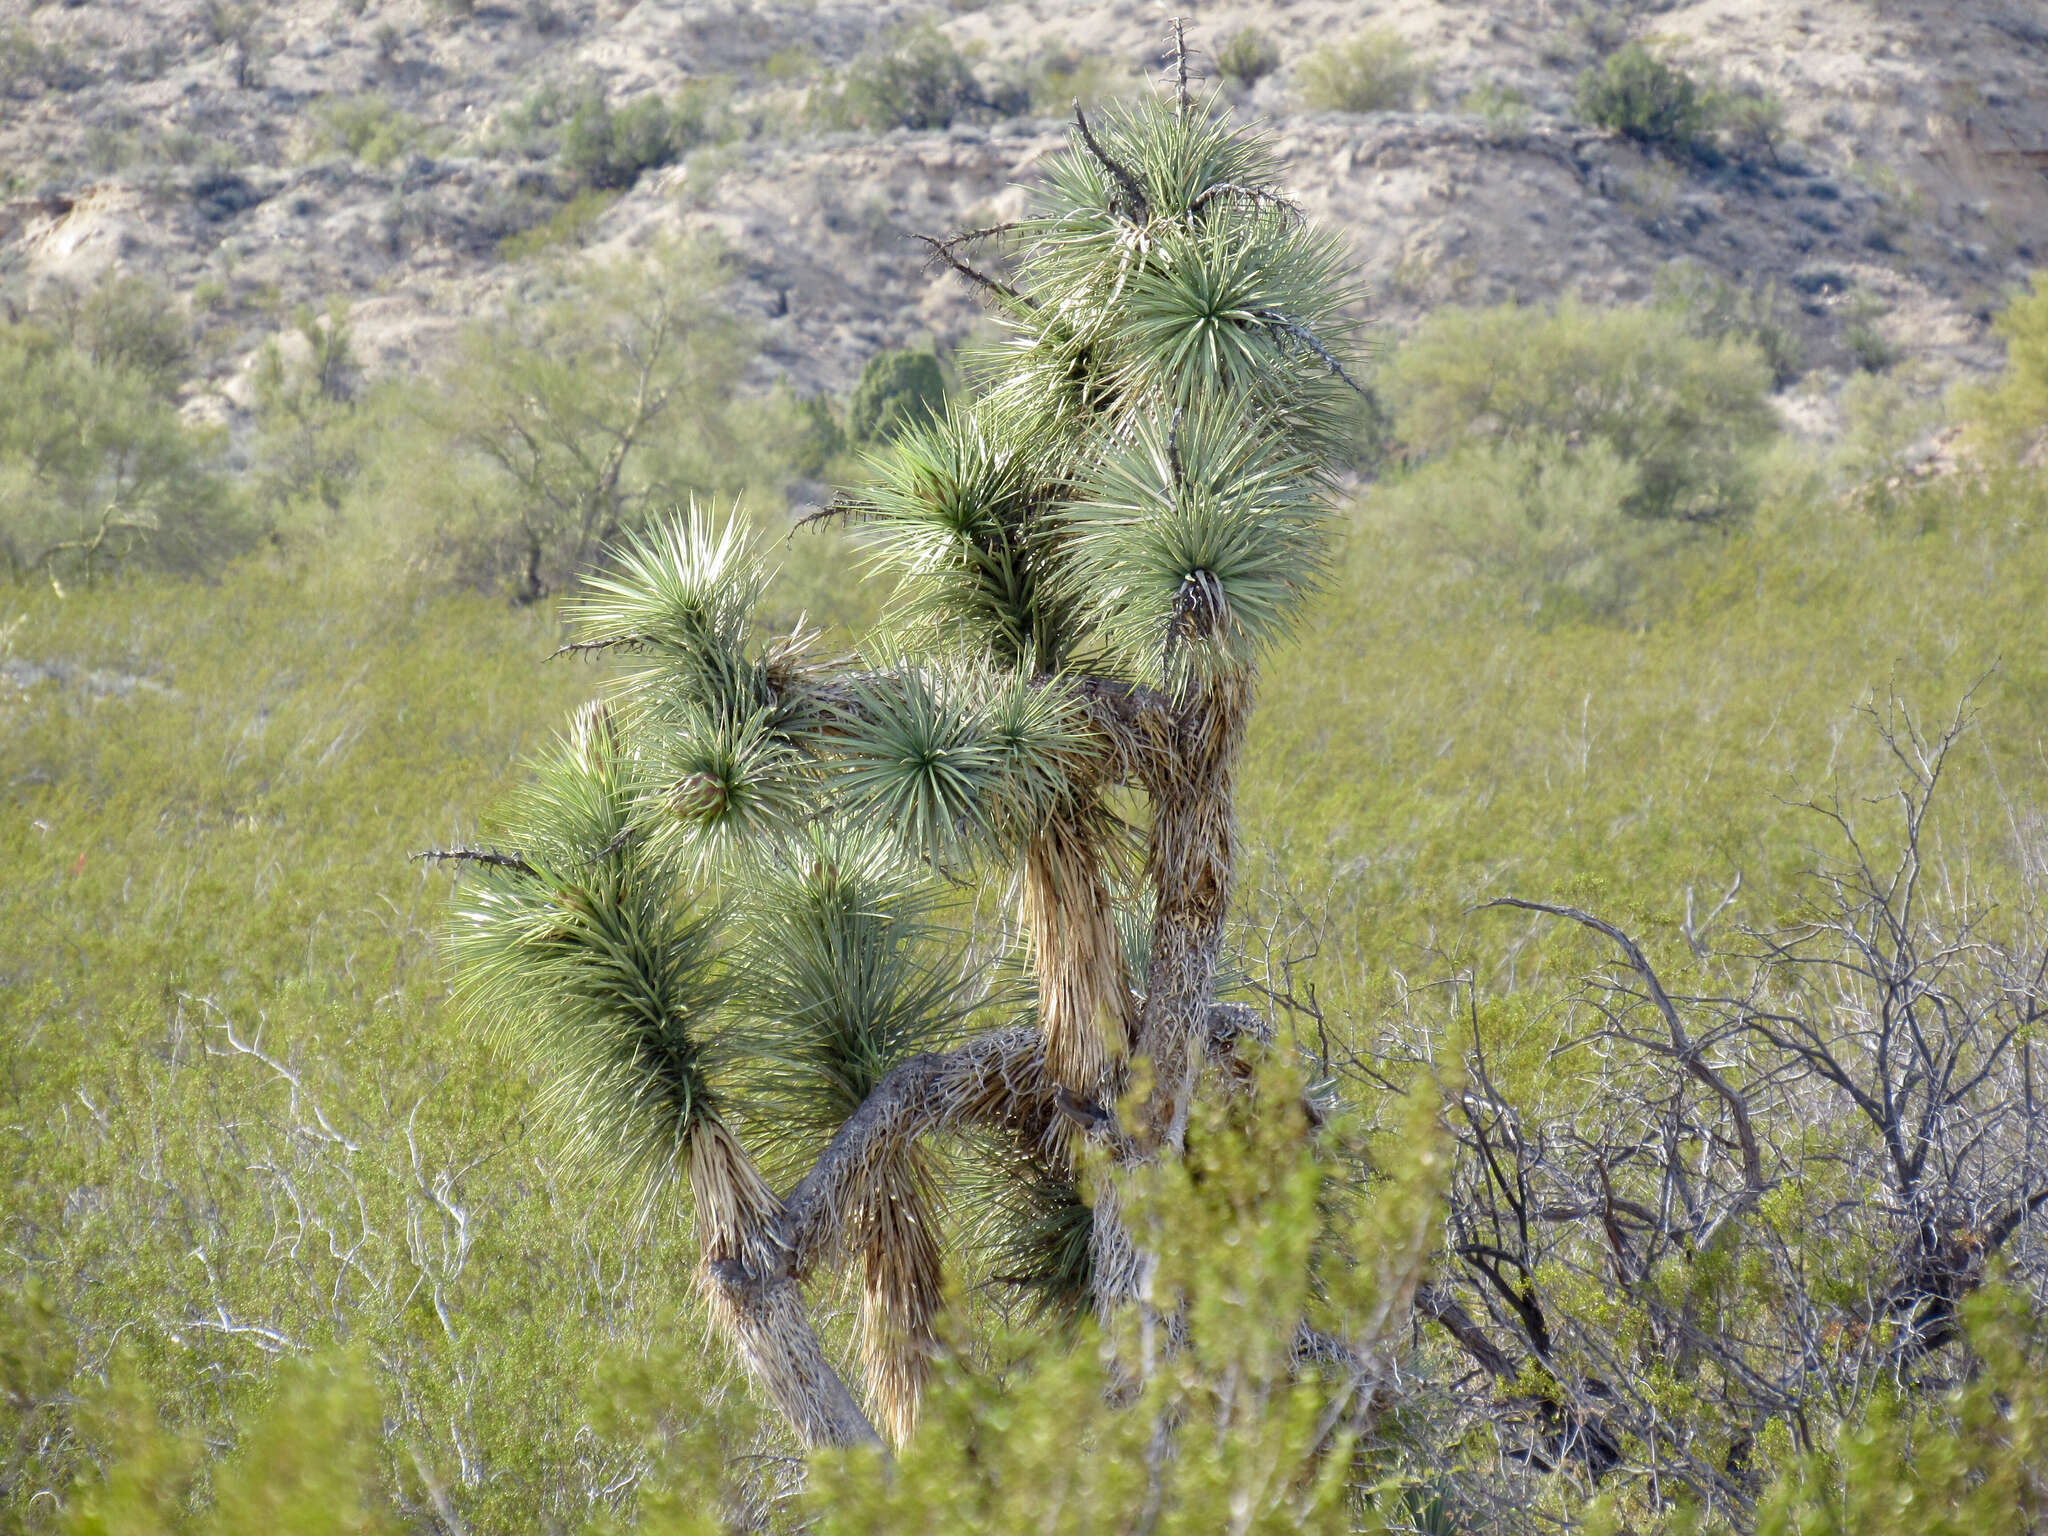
256	159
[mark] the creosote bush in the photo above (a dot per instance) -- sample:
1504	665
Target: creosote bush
1639	96
1373	72
896	391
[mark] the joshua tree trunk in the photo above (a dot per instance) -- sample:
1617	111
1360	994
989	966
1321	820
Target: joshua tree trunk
1192	861
1084	1004
764	1317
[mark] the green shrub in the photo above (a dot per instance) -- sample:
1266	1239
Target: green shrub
1374	72
366	128
567	225
1967	1461
913	79
896	390
1050	82
306	453
98	471
1247	57
128	322
107	148
2012	414
820	439
1686	414
1504	109
1868	346
1640	97
1538	513
608	150
1713	307
1753	120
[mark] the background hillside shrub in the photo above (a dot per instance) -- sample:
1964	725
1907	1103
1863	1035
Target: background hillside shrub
97	470
1048	83
1686	413
1752	120
609	149
1639	96
1373	72
913	78
1247	57
366	128
896	390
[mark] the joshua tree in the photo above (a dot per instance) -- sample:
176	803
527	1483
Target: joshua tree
743	929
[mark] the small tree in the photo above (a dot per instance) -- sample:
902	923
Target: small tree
97	470
897	390
563	424
739	931
1640	97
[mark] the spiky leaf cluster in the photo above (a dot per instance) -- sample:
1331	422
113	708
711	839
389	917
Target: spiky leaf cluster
845	968
1164	295
579	960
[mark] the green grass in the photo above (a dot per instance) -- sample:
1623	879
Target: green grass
221	846
206	821
1430	746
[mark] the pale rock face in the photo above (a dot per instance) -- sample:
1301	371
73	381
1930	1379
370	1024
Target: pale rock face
1912	188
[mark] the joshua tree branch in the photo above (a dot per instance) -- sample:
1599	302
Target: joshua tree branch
588	647
998	1079
764	1315
1137	208
489	857
942	250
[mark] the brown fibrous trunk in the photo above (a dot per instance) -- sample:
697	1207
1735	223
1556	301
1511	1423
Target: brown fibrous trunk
1191	860
1084	1000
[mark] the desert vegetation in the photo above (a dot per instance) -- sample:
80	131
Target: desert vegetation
1232	930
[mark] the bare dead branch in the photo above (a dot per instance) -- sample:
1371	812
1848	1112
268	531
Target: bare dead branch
490	858
1295	331
591	647
1136	207
942	250
1682	1046
1258	197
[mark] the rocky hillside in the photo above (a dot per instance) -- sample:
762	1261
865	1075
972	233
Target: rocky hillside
412	156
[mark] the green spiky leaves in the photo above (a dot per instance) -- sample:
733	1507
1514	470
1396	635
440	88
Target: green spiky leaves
959	514
1195	541
844	969
600	975
960	759
1206	286
684	590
